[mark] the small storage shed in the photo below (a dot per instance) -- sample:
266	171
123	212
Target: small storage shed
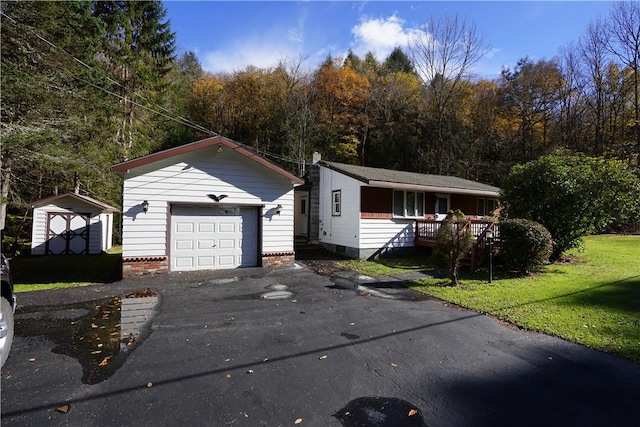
71	224
212	204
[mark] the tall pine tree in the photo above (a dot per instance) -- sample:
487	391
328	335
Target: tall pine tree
138	53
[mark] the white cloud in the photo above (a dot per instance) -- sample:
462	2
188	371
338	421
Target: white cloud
259	53
263	49
381	36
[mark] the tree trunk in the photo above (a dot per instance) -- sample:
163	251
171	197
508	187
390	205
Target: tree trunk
5	165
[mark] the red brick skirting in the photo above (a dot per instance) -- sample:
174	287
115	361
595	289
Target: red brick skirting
138	266
278	259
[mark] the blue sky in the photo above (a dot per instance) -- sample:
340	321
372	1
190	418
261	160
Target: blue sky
230	35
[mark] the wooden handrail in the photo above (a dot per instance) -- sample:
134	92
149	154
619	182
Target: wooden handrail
426	232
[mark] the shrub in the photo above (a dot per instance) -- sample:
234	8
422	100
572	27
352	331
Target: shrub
453	243
572	196
526	245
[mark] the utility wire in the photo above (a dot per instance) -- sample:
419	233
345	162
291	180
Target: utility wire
179	119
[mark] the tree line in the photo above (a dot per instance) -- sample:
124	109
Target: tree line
88	84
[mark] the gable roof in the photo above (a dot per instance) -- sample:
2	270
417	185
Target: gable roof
412	180
79	197
124	167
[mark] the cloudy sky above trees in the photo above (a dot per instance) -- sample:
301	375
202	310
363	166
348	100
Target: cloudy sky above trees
229	36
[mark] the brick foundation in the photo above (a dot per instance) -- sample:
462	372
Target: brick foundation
278	259
138	266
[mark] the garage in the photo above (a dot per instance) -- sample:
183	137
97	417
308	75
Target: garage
213	237
209	205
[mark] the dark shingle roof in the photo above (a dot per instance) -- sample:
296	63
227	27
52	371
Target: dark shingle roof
367	175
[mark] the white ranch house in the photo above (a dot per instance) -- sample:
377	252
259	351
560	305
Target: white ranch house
366	212
211	204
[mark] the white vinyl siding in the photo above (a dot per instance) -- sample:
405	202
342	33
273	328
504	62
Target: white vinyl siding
339	230
386	233
188	181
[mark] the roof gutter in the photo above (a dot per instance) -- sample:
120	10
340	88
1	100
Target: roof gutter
433	189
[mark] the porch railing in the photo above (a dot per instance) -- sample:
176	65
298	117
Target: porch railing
427	230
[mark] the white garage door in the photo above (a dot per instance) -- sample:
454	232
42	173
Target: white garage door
213	237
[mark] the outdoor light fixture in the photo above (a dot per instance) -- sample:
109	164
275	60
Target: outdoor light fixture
278	209
145	206
489	234
219	148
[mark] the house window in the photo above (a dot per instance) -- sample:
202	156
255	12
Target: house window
442	205
336	203
408	204
486	207
480	210
303	206
491	207
398	203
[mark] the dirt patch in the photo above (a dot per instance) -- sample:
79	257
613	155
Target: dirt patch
323	266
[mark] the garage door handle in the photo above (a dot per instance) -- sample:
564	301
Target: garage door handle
213	246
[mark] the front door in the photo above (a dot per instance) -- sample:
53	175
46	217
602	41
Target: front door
301	218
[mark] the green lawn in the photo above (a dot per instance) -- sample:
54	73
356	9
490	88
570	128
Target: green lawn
57	271
594	301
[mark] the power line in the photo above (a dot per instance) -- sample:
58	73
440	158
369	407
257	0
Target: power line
181	120
168	115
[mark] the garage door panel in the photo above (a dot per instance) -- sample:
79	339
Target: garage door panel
206	244
183	245
226	244
182	262
184	227
206	227
219	237
229	227
206	261
228	261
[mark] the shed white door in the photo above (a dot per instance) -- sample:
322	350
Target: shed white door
213	237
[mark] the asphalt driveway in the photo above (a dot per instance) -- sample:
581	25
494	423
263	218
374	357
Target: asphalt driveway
288	347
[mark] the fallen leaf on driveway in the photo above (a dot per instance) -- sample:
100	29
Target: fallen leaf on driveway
64	408
149	385
394	365
104	361
324	356
33	359
228	375
413	412
250	371
298	421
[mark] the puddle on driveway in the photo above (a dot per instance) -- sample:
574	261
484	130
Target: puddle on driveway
380	412
275	291
100	334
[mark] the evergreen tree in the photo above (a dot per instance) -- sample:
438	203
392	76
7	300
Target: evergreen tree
48	97
138	51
